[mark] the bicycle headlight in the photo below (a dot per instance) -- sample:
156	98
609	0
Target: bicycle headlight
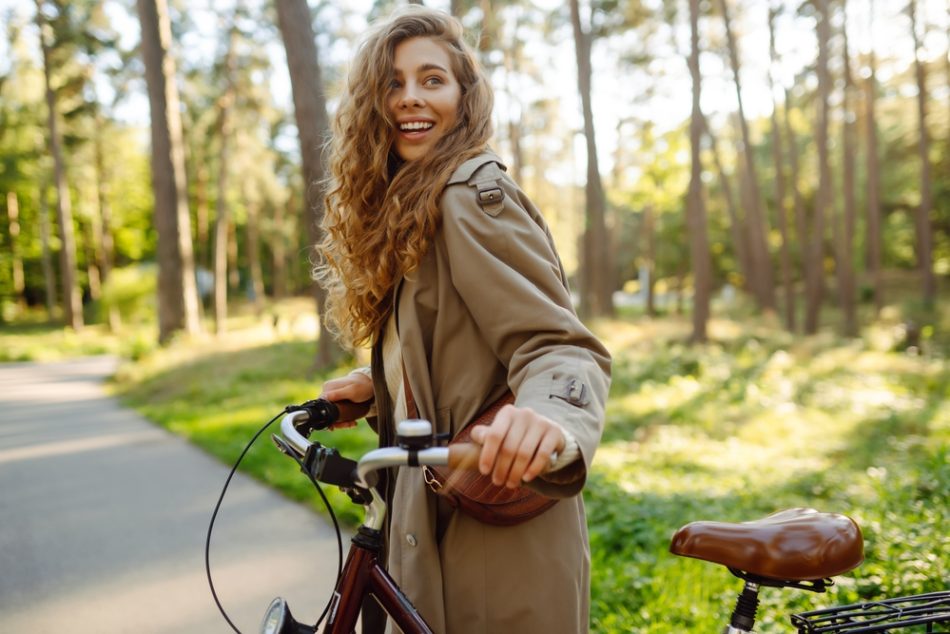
276	618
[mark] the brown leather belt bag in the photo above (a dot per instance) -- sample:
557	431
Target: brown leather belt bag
473	493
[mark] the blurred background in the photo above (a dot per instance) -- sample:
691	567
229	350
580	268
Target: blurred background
752	198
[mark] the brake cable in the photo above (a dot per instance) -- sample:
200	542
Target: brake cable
217	507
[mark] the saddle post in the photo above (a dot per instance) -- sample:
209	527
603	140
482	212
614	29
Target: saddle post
743	616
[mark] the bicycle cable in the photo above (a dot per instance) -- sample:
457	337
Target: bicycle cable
217	507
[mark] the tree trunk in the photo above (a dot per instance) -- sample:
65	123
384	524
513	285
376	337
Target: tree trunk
798	204
649	231
72	300
695	211
845	241
253	253
16	257
781	216
103	227
763	284
924	234
874	221
203	255
222	219
177	292
278	250
597	298
310	112
49	273
823	199
739	243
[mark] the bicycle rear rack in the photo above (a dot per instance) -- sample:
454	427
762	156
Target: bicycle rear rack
921	613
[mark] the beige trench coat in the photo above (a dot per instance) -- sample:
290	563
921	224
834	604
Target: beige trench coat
487	309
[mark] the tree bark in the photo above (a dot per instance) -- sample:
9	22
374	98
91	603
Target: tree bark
253	253
798	203
222	219
72	300
597	300
845	241
924	233
823	200
874	220
310	112
777	153
763	284
177	292
695	211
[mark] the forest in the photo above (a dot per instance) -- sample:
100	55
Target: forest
751	199
154	150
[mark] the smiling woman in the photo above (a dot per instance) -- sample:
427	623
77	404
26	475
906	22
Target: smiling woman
424	97
435	257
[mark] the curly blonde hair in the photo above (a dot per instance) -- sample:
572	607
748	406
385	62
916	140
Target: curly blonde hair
381	213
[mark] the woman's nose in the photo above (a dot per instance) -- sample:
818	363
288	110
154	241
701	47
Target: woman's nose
410	96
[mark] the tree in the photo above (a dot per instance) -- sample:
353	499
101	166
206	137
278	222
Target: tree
785	255
72	301
814	288
596	292
13	229
873	178
845	227
222	209
177	292
760	261
924	234
293	18
695	211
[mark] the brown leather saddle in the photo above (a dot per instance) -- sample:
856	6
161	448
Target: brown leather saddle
793	545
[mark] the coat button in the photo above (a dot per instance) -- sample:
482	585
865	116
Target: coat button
411	539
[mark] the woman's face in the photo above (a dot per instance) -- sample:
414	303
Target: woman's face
424	96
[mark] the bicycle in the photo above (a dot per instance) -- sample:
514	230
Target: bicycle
795	548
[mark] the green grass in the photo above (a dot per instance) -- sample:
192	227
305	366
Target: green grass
754	421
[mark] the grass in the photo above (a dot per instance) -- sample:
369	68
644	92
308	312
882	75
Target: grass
752	422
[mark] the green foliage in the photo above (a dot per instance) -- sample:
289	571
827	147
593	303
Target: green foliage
132	291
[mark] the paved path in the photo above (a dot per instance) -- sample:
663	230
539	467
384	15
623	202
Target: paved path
103	519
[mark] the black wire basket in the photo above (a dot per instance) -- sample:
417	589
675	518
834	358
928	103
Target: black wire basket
918	613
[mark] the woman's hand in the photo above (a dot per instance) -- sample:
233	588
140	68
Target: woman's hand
356	387
517	446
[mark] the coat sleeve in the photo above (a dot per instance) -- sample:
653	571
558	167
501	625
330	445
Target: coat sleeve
506	270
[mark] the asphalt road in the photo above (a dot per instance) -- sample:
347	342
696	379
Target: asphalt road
103	518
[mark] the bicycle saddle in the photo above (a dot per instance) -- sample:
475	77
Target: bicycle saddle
797	544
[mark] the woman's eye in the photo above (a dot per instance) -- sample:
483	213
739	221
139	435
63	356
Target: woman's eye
433	81
395	84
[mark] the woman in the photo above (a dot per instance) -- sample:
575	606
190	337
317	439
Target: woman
435	257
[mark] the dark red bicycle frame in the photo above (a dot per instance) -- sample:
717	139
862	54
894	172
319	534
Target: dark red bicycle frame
363	575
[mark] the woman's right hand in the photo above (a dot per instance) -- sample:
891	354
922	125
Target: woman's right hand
356	387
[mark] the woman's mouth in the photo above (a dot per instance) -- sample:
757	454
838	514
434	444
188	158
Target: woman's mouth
413	129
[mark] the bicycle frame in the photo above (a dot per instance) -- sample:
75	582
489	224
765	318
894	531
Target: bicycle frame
363	574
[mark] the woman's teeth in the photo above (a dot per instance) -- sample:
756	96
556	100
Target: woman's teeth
415	125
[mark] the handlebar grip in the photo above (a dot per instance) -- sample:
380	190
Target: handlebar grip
464	455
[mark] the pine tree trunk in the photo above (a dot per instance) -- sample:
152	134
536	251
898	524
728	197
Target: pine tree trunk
49	272
739	243
874	220
310	112
781	216
798	204
597	300
103	237
72	300
695	210
278	251
845	242
177	292
924	233
760	259
253	254
222	219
